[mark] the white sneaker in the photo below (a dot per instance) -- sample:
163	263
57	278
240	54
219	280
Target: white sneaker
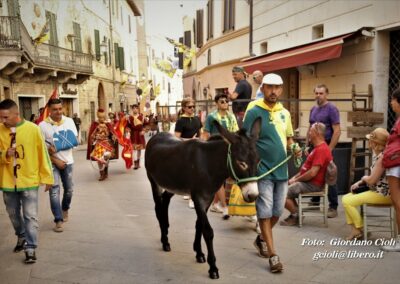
252	219
394	248
225	214
258	229
215	208
191	204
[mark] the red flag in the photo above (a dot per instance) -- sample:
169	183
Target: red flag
124	140
45	112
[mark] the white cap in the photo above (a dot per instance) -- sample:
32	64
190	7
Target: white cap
272	79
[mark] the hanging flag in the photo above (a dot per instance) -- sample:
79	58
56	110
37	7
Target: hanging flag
157	90
43	36
181	47
165	66
123	140
45	112
187	57
188	52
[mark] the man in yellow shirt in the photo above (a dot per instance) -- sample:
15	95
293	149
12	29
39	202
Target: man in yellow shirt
24	165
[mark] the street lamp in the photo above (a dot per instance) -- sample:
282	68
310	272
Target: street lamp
103	46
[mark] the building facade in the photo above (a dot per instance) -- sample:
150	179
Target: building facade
338	43
88	50
220	33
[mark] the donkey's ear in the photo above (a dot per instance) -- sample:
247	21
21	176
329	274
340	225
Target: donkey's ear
226	135
256	128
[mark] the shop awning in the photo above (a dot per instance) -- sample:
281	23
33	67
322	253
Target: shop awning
301	55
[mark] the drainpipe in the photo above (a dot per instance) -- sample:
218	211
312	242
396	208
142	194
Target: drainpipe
112	52
251	29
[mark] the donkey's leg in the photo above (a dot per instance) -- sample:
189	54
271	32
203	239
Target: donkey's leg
166	198
158	202
208	235
197	242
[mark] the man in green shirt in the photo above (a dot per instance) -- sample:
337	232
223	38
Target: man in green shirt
228	120
274	139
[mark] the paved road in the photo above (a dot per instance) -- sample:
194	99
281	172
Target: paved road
113	237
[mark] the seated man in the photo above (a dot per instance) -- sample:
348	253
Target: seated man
311	177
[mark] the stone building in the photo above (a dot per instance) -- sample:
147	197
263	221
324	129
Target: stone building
91	51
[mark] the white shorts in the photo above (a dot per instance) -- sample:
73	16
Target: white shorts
393	172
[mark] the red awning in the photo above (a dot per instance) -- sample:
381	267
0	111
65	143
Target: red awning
302	55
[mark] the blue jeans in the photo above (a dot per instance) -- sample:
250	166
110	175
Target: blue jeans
65	176
271	199
25	225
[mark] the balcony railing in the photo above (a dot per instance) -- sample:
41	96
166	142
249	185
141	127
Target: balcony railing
13	35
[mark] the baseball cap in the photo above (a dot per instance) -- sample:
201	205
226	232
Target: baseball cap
378	135
272	79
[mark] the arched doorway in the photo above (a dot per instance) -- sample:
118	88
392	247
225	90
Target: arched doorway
101	98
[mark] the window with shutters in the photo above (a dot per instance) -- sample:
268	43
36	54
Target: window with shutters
121	57
187	39
116	52
105	53
210	19
77	38
180	56
53	38
194	29
97	44
109	52
199	28
229	15
51	19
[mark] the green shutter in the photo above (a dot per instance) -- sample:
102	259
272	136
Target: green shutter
97	44
77	39
116	51
121	58
109	52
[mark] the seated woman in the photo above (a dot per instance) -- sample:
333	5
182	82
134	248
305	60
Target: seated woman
376	186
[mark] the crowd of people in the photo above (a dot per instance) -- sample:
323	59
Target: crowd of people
33	155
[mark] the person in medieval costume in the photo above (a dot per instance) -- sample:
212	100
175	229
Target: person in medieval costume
135	126
101	144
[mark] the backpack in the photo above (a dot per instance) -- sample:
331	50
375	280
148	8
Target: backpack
331	173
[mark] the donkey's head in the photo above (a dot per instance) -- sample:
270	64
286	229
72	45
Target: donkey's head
244	157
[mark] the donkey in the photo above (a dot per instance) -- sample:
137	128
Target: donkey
199	168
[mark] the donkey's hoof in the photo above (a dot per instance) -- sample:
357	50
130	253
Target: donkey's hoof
200	259
213	274
166	247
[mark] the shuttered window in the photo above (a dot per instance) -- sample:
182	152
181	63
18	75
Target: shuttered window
51	19
229	15
121	56
77	38
210	19
199	28
97	44
109	52
187	38
116	51
180	56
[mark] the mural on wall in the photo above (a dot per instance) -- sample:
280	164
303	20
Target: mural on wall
39	25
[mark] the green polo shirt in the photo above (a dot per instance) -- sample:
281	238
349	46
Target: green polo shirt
276	127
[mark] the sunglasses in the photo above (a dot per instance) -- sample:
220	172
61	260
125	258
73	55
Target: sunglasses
190	107
223	101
